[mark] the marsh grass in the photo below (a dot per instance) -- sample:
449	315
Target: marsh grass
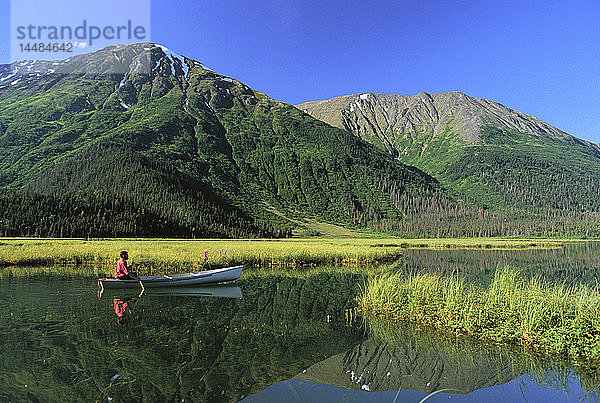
159	256
560	319
52	271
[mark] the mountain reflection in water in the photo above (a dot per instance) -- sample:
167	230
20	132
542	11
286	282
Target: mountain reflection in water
375	365
417	363
65	344
261	337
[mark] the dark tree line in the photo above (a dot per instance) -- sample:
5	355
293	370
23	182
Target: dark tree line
112	192
93	216
433	214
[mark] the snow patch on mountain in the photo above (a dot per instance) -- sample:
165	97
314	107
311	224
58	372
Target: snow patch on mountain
175	58
8	77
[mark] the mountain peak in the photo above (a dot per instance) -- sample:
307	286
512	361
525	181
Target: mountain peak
389	115
483	149
136	58
220	144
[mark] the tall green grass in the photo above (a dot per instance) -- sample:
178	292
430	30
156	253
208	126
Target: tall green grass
162	255
557	319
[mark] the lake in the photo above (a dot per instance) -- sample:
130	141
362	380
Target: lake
273	337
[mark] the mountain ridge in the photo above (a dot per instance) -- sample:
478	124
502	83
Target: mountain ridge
442	107
252	151
477	147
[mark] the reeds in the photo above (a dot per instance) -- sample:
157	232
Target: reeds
556	319
158	256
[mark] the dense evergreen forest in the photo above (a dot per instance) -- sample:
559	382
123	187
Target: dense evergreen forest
108	191
111	191
186	152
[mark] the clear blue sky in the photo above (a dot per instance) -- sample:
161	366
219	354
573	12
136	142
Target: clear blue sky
541	58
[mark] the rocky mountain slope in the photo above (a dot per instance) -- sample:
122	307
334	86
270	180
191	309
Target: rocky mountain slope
494	154
386	116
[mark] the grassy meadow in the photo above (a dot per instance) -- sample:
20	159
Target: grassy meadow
560	320
157	256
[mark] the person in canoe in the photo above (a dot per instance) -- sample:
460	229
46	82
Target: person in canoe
122	271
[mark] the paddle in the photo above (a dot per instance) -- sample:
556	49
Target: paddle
139	278
142	285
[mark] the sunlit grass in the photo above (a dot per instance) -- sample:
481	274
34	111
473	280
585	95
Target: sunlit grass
54	271
557	319
156	256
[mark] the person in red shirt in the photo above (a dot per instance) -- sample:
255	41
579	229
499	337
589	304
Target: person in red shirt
122	271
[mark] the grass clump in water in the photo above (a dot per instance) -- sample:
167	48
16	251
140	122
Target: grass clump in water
556	319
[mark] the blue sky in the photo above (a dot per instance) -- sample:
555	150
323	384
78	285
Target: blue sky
541	58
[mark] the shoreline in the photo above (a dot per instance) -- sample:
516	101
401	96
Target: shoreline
558	320
159	255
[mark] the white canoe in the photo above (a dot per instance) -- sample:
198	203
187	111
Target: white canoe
174	280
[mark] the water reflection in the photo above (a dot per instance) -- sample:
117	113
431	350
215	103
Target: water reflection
62	344
404	358
574	263
263	338
377	365
120	305
217	291
406	364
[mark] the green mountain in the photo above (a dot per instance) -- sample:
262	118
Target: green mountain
136	140
501	158
183	151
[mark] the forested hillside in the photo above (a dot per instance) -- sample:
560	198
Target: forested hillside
108	190
182	151
505	161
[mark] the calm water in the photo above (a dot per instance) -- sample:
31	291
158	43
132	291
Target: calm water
272	338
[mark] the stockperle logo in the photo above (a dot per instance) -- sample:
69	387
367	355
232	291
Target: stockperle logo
57	30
